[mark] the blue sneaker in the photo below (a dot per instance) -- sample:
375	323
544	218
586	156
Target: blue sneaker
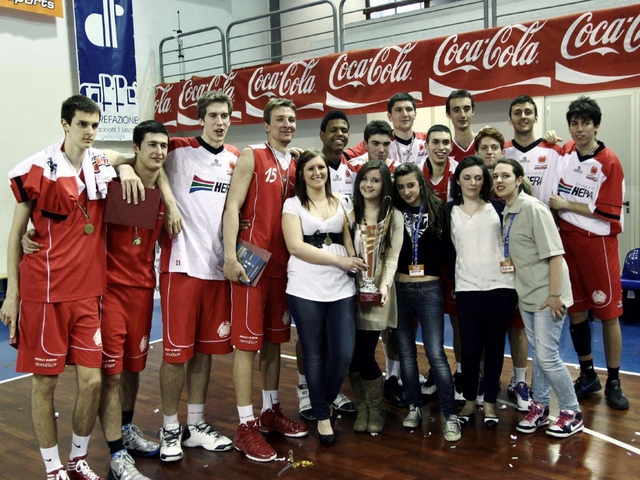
615	398
585	386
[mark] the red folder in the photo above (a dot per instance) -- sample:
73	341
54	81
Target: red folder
143	215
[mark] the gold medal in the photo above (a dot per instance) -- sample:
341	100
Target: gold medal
89	229
327	240
137	241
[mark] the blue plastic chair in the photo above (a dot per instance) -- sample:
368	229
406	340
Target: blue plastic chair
631	271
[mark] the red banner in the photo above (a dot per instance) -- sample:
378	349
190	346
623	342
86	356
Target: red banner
571	54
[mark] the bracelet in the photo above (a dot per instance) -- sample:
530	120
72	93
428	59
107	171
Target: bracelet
555	296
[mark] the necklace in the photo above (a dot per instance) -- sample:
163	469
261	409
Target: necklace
284	180
408	154
325	217
137	241
88	227
471	214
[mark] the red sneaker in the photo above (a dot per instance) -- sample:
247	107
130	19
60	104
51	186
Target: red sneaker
79	469
273	420
249	441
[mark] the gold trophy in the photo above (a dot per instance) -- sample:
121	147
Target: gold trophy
369	240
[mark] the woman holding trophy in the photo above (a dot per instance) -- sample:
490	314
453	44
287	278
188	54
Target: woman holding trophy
320	293
377	231
427	243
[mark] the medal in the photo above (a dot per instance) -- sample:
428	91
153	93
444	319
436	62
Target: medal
327	240
137	241
89	229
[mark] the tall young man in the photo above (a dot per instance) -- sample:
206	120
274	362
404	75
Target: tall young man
57	289
406	145
460	108
589	203
196	310
263	179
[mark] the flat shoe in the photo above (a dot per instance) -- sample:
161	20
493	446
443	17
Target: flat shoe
464	420
491	421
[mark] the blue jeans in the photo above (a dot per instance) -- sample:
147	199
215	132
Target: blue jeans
327	333
423	299
549	371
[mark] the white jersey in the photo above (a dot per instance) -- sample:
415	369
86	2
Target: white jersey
356	163
540	163
200	176
413	152
342	179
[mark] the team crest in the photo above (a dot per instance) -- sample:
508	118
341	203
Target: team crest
598	297
224	330
144	344
97	338
594	170
542	159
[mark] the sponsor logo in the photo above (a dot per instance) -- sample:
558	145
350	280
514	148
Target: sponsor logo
144	344
224	330
48	4
390	65
535	180
594	170
542	159
296	79
598	297
163	104
53	167
97	338
512	45
99	161
578	169
524	159
201	185
564	187
191	91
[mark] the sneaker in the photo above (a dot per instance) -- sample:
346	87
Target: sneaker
523	399
136	444
393	392
205	436
511	388
413	418
458	388
538	416
79	469
452	431
170	449
249	441
480	397
343	405
273	420
585	386
429	385
567	423
60	474
615	398
304	403
124	468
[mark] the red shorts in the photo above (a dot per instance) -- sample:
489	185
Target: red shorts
126	324
515	321
258	313
594	271
53	335
195	317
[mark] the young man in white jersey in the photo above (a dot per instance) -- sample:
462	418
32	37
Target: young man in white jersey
377	141
406	145
589	204
263	179
195	296
460	108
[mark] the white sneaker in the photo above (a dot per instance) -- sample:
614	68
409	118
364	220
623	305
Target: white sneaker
136	444
205	436
304	403
452	432
124	468
413	418
343	404
170	449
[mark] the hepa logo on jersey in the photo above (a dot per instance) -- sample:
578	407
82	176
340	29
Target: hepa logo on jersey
575	191
49	4
201	185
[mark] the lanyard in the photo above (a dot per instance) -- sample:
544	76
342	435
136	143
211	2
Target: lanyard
415	232
506	237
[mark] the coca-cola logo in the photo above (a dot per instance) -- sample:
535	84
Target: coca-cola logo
390	65
163	104
585	36
296	79
192	91
512	45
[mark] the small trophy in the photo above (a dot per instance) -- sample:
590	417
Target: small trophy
368	243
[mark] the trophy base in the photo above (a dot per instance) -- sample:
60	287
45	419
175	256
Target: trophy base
374	298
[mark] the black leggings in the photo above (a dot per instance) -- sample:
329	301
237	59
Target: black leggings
364	355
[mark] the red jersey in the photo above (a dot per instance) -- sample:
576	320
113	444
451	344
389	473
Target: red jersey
272	184
442	189
458	153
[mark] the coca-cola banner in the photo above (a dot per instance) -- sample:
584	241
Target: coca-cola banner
583	52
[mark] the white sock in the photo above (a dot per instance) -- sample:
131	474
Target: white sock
458	367
79	446
302	379
169	419
269	399
246	414
195	413
393	368
521	374
51	458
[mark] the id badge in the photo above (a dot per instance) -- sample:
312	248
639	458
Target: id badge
416	270
507	266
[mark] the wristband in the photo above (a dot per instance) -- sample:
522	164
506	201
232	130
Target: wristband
555	296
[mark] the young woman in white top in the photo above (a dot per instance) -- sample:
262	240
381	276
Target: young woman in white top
320	293
544	295
485	292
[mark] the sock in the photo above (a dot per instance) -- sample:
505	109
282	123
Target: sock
168	419
393	368
459	368
127	417
302	379
521	374
586	367
115	446
269	399
614	374
51	458
246	414
79	446
581	338
195	413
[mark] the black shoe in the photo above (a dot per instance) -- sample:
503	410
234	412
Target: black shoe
491	421
615	398
327	440
465	420
393	392
585	386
